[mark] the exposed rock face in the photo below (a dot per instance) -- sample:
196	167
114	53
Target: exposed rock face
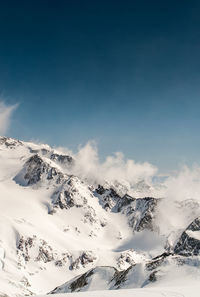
83	260
107	197
63	159
25	247
122	203
87	223
135	276
140	212
35	169
157	261
42	151
125	258
129	258
75	193
68	195
81	282
110	278
10	142
34	249
120	277
189	242
69	191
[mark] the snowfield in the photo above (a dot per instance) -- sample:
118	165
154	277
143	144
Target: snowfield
150	292
62	232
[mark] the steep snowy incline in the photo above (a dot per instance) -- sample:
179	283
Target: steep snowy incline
61	234
176	291
52	224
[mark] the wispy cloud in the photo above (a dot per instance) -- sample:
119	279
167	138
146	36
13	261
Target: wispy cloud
180	189
5	116
114	168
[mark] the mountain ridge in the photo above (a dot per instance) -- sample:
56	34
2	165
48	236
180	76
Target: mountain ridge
57	227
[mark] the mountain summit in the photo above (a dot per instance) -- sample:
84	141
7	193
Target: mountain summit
60	233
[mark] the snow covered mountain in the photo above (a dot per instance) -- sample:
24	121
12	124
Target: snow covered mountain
61	233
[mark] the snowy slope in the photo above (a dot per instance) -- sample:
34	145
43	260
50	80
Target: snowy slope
56	228
176	291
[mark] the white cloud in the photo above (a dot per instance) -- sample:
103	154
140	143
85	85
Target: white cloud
113	168
182	200
184	185
176	211
5	116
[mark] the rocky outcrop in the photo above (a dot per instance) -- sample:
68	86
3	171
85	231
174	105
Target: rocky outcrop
107	197
65	160
140	212
85	258
68	194
108	278
62	159
89	226
34	249
71	192
36	169
10	142
129	258
105	275
157	261
135	276
189	242
25	246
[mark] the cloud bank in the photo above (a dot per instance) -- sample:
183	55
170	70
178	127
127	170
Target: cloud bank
182	202
180	190
115	168
5	116
179	186
184	185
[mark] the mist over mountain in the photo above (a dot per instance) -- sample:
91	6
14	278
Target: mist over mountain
99	153
71	223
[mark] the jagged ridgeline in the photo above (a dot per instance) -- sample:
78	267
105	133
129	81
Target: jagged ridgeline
60	234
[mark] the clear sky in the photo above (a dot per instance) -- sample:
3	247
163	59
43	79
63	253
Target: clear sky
123	73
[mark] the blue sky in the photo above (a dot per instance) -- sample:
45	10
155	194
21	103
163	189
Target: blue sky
123	73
